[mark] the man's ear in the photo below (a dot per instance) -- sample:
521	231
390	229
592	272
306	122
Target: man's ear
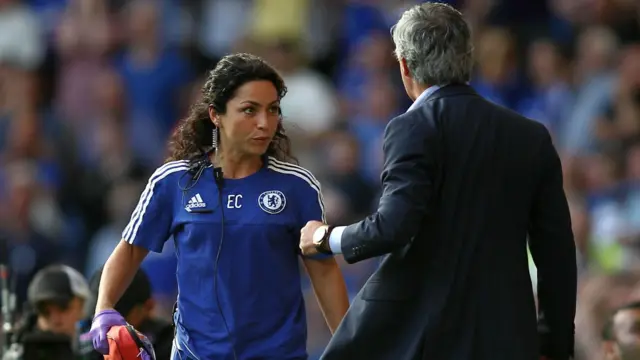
404	68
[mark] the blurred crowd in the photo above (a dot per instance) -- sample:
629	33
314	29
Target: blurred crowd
91	89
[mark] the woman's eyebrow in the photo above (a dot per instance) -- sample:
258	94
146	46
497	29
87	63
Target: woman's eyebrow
255	103
251	102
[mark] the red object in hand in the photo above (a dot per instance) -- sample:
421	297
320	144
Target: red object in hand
126	343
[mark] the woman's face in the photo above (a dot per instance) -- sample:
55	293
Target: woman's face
251	119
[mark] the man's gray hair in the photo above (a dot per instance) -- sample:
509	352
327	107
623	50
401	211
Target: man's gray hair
435	41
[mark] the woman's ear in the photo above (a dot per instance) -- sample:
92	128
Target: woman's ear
213	116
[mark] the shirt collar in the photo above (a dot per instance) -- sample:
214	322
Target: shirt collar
425	94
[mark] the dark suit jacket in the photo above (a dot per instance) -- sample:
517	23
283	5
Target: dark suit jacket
465	184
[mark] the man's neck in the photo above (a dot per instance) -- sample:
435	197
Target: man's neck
417	90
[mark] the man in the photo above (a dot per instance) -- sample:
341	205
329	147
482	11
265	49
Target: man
621	335
464	183
56	298
136	305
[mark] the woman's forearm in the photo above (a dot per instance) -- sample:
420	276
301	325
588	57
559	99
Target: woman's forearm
330	289
118	273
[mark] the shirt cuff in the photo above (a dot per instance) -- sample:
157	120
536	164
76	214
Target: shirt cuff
335	239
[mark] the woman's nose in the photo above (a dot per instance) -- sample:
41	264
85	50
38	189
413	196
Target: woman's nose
262	120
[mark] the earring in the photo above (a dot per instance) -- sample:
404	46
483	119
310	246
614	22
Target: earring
214	139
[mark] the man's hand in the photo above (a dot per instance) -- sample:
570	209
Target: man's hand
307	246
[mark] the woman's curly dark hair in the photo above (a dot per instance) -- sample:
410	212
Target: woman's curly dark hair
192	138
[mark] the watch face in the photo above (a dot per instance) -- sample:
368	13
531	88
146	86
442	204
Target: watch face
319	234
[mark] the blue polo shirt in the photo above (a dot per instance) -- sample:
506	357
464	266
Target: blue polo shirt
258	273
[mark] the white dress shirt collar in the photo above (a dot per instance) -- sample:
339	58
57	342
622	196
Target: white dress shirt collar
425	94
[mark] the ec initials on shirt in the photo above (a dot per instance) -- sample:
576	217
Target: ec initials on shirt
233	201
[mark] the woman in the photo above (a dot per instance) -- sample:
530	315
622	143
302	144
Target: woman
234	207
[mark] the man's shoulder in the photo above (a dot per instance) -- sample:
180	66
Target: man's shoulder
472	104
514	117
421	119
408	119
533	129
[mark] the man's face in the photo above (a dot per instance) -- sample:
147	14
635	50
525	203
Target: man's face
626	330
60	318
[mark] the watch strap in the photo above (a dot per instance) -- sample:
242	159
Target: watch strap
324	247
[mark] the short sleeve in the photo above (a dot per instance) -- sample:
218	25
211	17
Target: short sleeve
150	223
312	206
308	201
312	202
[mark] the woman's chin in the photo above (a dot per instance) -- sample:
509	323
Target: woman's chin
257	147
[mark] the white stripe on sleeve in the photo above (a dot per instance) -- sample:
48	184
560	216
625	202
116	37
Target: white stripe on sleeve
302	173
131	229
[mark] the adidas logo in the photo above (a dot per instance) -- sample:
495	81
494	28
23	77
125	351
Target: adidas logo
195	202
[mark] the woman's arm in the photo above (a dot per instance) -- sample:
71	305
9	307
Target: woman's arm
330	289
118	272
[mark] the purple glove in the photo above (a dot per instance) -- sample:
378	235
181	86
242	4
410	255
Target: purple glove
102	322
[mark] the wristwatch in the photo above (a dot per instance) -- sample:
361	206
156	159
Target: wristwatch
321	239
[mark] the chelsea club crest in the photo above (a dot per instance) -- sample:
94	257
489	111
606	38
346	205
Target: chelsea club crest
272	201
